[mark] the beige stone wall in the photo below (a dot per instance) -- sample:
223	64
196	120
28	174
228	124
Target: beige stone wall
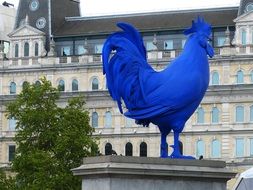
226	130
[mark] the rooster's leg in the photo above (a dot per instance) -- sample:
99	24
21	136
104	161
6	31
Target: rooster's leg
176	152
164	146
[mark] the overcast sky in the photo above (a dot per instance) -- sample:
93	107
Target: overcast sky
102	7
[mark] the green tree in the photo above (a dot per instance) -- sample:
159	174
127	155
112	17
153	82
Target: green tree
50	139
6	183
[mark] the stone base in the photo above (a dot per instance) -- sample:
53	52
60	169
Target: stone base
131	173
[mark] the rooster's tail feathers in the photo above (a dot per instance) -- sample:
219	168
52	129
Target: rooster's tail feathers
122	69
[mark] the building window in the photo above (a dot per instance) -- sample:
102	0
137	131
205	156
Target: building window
200	115
251	113
16	50
26	49
215	115
251	147
251	36
95	84
80	50
239	152
74	85
108	119
251	76
143	149
129	149
200	148
221	41
216	149
215	78
168	44
240	77
150	46
98	48
94	120
13	88
239	114
37	83
12	124
36	49
65	51
12	149
108	149
61	86
243	37
183	43
25	83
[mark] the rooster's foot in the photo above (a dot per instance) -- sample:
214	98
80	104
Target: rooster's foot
179	156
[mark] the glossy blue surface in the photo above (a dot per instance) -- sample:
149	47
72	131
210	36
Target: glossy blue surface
167	98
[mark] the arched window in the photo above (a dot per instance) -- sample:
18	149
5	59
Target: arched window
95	84
16	50
251	113
108	149
143	149
13	88
215	78
25	83
37	83
26	49
61	86
215	115
12	124
216	149
239	114
200	148
94	119
36	49
108	119
200	115
74	85
243	37
129	149
240	77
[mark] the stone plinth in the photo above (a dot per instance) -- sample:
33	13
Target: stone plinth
134	173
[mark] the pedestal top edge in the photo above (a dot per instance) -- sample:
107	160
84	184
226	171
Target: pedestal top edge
154	161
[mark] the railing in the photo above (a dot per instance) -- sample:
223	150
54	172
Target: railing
97	58
242	49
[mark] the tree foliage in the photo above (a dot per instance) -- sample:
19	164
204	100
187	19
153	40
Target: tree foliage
6	183
51	139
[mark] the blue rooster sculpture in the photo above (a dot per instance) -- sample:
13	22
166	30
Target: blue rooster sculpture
167	98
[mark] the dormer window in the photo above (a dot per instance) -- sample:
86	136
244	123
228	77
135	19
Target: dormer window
26	49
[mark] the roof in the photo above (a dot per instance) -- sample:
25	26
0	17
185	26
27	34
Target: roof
243	4
145	22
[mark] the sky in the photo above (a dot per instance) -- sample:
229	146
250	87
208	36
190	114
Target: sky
111	7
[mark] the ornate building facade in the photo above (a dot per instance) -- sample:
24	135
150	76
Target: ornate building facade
53	41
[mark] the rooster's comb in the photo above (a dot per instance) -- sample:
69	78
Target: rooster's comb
198	25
